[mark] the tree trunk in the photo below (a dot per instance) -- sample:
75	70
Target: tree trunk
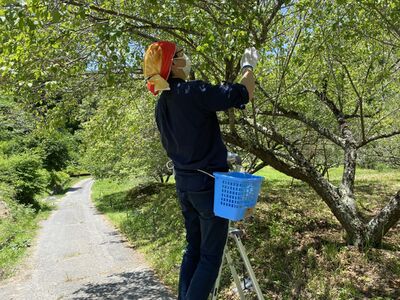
378	226
342	205
340	199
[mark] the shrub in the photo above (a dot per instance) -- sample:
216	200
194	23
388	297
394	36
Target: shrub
74	169
58	181
55	151
13	146
24	173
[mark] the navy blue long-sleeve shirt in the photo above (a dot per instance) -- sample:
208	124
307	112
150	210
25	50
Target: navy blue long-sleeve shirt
186	118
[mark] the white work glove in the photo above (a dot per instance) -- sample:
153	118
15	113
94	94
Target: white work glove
249	58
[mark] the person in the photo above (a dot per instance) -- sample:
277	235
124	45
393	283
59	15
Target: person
190	133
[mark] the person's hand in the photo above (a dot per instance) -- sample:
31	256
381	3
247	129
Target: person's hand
249	58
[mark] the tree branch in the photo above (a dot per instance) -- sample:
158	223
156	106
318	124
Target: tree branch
166	28
265	26
329	103
392	27
259	167
342	206
286	64
382	222
378	137
350	149
324	99
304	165
294	115
131	17
350	146
266	156
360	100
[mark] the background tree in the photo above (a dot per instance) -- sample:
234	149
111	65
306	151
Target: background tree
328	77
121	139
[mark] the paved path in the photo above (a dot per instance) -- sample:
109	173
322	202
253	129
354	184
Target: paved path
78	255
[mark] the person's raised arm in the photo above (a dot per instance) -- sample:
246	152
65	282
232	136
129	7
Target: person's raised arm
228	95
248	63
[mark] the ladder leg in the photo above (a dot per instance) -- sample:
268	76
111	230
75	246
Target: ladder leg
246	261
217	281
234	275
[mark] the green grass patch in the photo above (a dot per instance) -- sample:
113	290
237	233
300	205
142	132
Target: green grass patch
335	174
67	185
295	244
272	175
149	215
16	234
75	180
18	230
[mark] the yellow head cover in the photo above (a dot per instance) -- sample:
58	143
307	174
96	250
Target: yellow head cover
157	65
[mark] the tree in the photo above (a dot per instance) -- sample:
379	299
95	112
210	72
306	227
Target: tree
328	76
343	91
121	139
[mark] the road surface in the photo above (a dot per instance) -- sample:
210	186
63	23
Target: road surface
79	255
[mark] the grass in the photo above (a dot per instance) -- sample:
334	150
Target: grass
17	233
19	229
75	180
70	183
295	244
148	214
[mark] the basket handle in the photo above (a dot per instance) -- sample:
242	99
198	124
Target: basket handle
205	173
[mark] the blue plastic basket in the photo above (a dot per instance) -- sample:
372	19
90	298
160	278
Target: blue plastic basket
234	193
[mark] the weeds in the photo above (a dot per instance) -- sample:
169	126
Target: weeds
16	234
18	230
296	246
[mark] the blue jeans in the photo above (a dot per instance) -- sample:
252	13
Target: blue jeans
206	237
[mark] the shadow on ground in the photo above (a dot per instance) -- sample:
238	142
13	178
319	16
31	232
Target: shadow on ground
72	189
127	285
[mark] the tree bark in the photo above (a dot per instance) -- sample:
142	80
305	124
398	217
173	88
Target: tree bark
339	200
379	225
342	206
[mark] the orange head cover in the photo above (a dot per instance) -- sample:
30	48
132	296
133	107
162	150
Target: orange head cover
157	65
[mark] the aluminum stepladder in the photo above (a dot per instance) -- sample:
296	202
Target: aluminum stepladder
235	160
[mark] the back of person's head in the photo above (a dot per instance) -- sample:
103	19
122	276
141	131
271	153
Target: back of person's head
162	60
